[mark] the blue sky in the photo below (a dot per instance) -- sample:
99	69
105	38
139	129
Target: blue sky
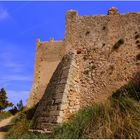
22	22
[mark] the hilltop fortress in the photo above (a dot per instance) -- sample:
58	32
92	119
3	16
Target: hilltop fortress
98	55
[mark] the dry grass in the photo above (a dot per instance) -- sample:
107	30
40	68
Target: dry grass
116	119
119	117
4	115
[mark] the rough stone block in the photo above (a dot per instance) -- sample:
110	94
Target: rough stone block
58	101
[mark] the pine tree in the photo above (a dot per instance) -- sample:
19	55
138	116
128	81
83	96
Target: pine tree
20	105
4	103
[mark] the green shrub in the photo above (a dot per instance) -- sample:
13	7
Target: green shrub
4	115
14	110
20	129
72	10
137	42
21	125
138	45
137	36
118	44
138	56
75	128
129	90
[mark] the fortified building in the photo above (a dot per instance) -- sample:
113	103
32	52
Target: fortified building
98	55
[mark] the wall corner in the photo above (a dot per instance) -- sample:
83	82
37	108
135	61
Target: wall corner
70	28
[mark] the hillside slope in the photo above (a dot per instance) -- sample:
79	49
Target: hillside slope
118	117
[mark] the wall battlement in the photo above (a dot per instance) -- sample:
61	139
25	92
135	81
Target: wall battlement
50	51
50	42
98	55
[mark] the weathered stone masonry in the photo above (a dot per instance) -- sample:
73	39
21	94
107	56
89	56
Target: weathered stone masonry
102	68
48	56
61	97
98	55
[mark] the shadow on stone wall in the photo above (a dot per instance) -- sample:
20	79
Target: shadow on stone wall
48	111
132	89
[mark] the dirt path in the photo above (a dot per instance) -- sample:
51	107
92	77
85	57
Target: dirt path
4	125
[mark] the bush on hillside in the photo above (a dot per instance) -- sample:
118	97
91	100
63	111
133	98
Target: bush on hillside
4	115
22	123
118	44
14	110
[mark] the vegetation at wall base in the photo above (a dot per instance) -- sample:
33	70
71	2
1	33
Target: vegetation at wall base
119	117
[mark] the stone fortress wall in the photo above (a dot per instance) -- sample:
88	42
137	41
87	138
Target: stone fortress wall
98	55
103	69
